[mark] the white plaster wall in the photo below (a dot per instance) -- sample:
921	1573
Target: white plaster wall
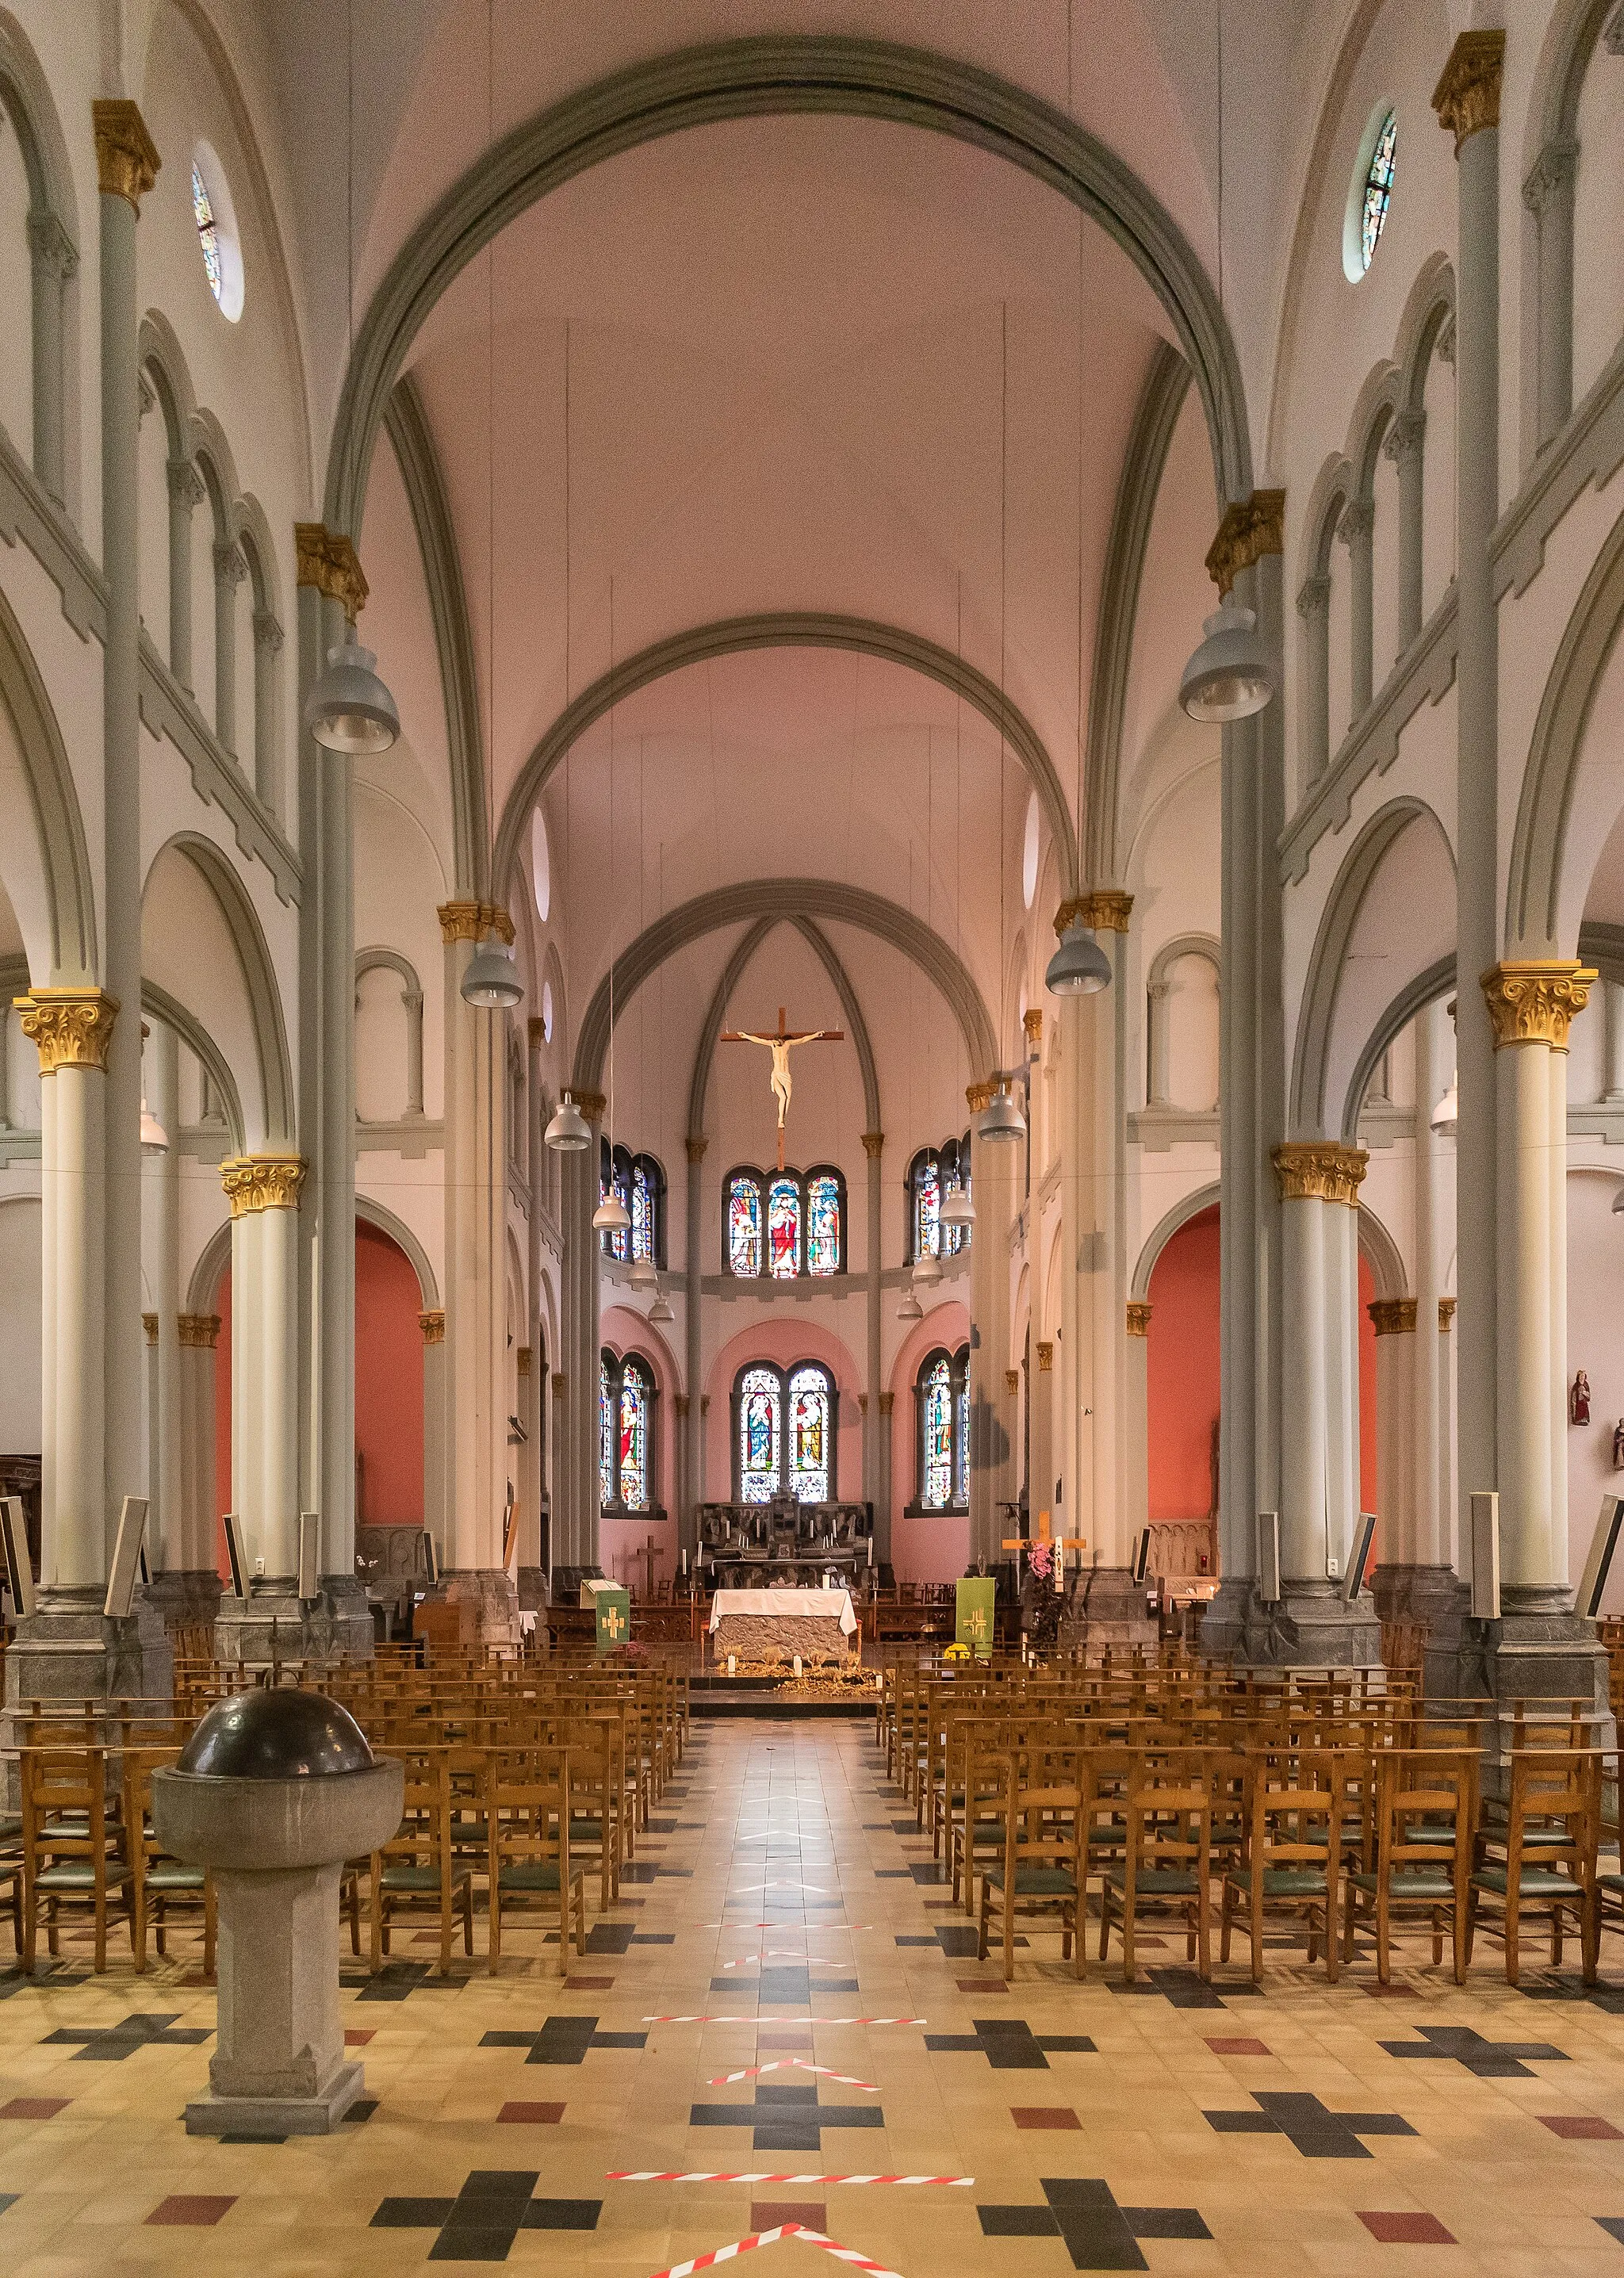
1595	1344
19	1319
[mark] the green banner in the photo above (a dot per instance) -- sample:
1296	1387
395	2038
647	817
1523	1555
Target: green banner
614	1611
974	1625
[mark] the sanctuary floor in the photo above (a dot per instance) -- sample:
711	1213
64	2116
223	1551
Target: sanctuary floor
1169	2128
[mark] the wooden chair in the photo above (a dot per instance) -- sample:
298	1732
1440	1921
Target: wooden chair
1425	1816
1039	1868
418	1870
12	1870
1558	1792
528	1809
70	1848
1293	1852
1167	1860
156	1880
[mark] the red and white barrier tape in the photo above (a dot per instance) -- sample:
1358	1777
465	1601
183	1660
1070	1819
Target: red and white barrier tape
792	2064
680	2176
789	1954
771	2238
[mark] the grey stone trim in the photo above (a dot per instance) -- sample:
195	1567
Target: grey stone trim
442	574
70	885
1189	1206
1436	980
259	977
412	1137
19	1146
168	710
377	958
1585	453
1158	1128
231	1136
774	76
383	1217
823	950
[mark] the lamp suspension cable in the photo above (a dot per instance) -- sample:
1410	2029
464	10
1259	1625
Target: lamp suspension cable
1001	1118
568	1133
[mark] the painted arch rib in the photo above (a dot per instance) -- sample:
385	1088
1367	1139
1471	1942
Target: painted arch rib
733	972
786	629
766	77
777	899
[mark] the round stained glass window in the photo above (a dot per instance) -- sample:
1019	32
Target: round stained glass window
215	220
1370	192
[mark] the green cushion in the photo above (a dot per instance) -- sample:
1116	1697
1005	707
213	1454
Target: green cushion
532	1875
1036	1882
1408	1882
1157	1881
1533	1883
78	1874
1282	1881
407	1878
169	1877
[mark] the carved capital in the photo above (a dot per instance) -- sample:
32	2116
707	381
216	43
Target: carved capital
1031	1020
1446	1315
433	1326
979	1095
472	920
1251	528
592	1105
149	1321
1553	170
69	1028
186	485
887	1401
127	158
1533	1000
862	1404
559	1382
1138	1318
1103	909
704	1404
535	1030
262	1182
230	562
696	1144
199	1331
1319	1170
682	1403
1011	1379
873	1144
1466	98
1046	1358
1406	431
50	245
1393	1317
267	632
1358	521
330	563
521	1359
1313	598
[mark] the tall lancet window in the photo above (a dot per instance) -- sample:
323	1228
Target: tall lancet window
784	1228
625	1433
810	1406
744	1225
934	1174
761	1434
941	1398
785	1422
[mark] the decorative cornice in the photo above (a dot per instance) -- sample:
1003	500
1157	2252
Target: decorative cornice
887	1401
980	1097
1251	528
1406	432
1553	170
521	1358
1103	909
1358	520
199	1331
592	1103
1031	1020
1046	1358
262	1182
1446	1314
1466	98
873	1143
1393	1317
329	562
1532	1000
433	1326
1138	1318
70	1027
1319	1170
127	158
696	1144
1313	597
149	1321
472	920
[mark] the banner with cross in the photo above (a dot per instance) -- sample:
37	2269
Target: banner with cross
613	1607
973	1624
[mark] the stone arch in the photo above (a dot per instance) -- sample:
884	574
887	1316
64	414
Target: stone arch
379	957
53	259
1191	1205
54	894
1435	981
203	1287
1551	161
1158	1041
162	1005
788	629
1382	1254
776	75
784	897
379	1215
1430	307
824	949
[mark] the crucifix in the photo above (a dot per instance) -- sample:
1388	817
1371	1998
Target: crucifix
1060	1543
647	1554
780	1046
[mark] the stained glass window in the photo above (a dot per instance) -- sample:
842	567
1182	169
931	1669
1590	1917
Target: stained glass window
207	234
615	1177
810	1428
744	1225
822	1223
784	1228
635	1400
927	1207
934	1174
961	1465
761	1434
643	1212
608	1433
937	1483
1378	188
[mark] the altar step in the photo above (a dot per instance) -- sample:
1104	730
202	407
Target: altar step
758	1696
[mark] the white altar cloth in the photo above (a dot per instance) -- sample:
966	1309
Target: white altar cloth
807	1605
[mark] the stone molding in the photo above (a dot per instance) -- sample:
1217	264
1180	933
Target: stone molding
1319	1170
472	920
696	1145
1532	1000
198	1332
1011	1379
521	1356
127	158
1251	528
1446	1314
1103	909
433	1325
559	1381
261	1182
681	1399
328	560
1046	1358
70	1027
980	1097
1407	432
862	1404
1466	98
1138	1318
873	1142
1393	1317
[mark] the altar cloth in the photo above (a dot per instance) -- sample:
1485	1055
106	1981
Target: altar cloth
778	1625
804	1605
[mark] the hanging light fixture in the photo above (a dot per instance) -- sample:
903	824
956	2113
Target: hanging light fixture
1447	1114
1001	1118
660	1309
492	981
349	709
568	1133
927	1271
154	1138
910	1309
644	1275
1231	675
1079	967
611	1216
957	1208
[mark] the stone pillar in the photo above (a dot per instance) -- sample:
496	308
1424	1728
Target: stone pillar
1158	1086
476	1202
532	1562
1468	102
1314	731
1138	1321
1356	531
52	260
263	1190
993	1176
268	774
1318	1455
1613	1045
165	1525
230	569
434	1327
1547	195
1405	445
576	1507
331	591
128	166
887	1404
199	1339
694	1255
1393	1319
526	1568
186	492
1041	1391
875	1482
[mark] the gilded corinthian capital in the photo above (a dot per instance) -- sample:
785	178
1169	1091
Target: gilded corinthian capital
1468	97
70	1027
127	158
1103	909
1251	528
1319	1170
1532	1000
326	560
472	920
261	1182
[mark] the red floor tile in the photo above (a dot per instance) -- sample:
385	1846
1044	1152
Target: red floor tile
976	1985
190	2209
767	2215
1238	2048
35	2108
533	2115
357	2037
1581	2127
589	1985
1043	2115
1408	2230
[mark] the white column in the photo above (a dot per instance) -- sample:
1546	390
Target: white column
1394	1320
199	1337
263	1193
1040	1388
994	1171
1405	445
1429	1392
575	1476
1319	1456
1612	1043
186	492
694	1261
875	1486
1356	531
1137	1506
167	1527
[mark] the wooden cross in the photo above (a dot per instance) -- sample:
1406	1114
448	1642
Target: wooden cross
780	1045
647	1553
1060	1543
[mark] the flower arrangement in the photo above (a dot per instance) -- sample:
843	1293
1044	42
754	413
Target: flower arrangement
1043	1560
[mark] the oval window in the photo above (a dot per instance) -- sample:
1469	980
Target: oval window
541	864
1029	852
1370	192
547	1012
215	218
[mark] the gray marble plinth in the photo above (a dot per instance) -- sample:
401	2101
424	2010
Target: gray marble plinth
68	1650
493	1596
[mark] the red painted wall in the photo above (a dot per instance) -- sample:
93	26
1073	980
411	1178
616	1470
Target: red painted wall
1366	1394
1184	1379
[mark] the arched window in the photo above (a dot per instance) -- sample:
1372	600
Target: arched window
783	1223
784	1432
625	1433
941	1398
1378	188
639	1183
934	1174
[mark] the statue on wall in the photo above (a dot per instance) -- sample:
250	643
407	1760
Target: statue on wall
1617	1446
1579	1399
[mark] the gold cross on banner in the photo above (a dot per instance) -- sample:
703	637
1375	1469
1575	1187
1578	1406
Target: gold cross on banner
611	1619
780	1046
1062	1542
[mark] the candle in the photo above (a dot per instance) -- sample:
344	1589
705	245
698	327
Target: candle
731	1664
797	1664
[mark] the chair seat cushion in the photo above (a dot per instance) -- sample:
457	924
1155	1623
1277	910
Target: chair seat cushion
1157	1881
407	1877
78	1874
1036	1882
170	1878
1409	1883
533	1875
1535	1882
1282	1881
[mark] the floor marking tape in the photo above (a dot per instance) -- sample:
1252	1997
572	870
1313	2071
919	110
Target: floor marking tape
792	2064
837	1929
713	2020
752	2175
771	2238
789	1954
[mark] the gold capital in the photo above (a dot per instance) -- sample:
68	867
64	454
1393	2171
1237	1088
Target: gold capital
1532	1000
1011	1379
329	562
1393	1317
1251	528
261	1182
536	1030
592	1105
682	1403
887	1401
433	1326
1138	1318
1103	909
1046	1359
696	1144
198	1331
979	1095
70	1027
522	1355
862	1403
1446	1314
472	920
1031	1021
1468	97
149	1321
1319	1170
873	1142
127	158
559	1381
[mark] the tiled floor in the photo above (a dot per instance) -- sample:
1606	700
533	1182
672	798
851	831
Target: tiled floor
1308	2129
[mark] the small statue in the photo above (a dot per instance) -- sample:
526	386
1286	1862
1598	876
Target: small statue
1579	1399
1617	1446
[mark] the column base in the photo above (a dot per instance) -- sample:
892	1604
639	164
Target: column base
346	1617
68	1650
531	1589
489	1595
186	1598
270	1625
567	1582
1223	1625
1539	1651
1107	1607
277	2115
1437	1596
1310	1627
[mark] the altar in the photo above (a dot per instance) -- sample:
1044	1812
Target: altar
778	1625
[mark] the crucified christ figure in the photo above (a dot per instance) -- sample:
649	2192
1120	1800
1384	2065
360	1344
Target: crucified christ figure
780	1046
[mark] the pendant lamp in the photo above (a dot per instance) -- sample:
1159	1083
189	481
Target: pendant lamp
349	709
957	1208
927	1271
1231	675
910	1309
491	979
1001	1118
644	1274
1079	967
1447	1114
660	1309
611	1216
154	1138
568	1133
1618	1203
